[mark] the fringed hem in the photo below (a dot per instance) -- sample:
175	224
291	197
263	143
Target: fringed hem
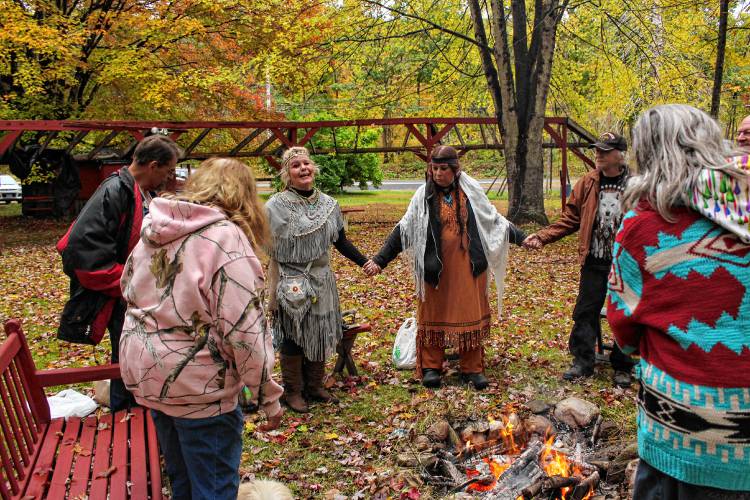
466	340
463	341
318	335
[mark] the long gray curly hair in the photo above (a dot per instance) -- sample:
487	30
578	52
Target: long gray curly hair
671	144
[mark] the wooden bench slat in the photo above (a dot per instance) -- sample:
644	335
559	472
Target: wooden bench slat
65	376
64	463
154	459
4	492
23	392
16	417
45	461
11	436
11	462
118	479
138	471
39	437
80	479
8	351
99	481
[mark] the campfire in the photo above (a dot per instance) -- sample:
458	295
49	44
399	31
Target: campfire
507	458
502	465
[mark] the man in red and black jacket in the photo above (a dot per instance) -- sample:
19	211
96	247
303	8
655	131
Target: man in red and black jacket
98	243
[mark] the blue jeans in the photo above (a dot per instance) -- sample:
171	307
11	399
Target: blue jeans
202	455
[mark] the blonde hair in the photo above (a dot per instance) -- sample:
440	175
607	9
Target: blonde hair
264	490
229	185
287	158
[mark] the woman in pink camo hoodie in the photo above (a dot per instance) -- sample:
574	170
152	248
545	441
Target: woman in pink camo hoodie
195	330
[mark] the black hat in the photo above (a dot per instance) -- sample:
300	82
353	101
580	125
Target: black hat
609	141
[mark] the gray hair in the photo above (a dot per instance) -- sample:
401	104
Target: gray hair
286	160
671	144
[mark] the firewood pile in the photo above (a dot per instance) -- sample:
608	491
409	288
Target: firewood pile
563	451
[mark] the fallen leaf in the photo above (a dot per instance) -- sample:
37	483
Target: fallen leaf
107	472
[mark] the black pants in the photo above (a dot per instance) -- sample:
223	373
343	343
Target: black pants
592	290
119	397
652	484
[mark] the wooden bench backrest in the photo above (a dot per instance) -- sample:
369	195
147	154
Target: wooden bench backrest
24	413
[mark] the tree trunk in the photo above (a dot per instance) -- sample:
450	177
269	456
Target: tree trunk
719	68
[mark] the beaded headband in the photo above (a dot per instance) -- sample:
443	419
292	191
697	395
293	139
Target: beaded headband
295	154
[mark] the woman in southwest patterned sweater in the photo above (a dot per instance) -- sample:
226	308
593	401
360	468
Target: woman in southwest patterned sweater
678	294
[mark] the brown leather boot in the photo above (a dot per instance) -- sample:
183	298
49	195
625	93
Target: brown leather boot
314	374
291	374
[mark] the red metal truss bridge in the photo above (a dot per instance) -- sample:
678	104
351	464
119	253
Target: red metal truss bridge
85	140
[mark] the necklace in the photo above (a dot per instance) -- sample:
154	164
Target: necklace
310	203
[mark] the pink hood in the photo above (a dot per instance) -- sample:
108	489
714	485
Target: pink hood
169	220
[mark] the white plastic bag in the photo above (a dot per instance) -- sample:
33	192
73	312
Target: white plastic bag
405	345
70	403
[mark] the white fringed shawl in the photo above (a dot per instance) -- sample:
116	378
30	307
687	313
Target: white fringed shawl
493	231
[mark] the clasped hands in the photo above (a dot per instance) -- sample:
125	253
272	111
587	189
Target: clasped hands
371	268
532	242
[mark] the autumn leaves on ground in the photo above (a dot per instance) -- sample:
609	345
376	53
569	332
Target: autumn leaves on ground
351	448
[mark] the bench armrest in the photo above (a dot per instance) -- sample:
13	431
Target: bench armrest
64	376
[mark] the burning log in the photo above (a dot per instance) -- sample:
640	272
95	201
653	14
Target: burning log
451	471
485	480
549	484
585	486
523	472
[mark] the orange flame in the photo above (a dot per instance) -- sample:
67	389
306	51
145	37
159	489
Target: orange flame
552	461
555	463
507	434
496	469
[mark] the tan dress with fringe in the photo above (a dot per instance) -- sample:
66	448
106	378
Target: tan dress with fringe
456	313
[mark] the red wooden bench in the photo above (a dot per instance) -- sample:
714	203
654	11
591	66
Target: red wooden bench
97	457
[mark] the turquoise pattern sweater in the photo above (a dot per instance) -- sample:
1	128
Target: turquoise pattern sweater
678	295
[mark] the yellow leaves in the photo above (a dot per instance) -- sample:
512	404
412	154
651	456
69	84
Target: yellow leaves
330	436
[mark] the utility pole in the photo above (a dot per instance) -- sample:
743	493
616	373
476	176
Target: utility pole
268	91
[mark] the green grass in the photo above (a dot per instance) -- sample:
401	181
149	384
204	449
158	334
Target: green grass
10	210
374	196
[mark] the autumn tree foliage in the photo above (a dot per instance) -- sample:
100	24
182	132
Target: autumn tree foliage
146	59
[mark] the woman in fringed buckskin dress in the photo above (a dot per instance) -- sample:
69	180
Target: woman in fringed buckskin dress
452	235
307	325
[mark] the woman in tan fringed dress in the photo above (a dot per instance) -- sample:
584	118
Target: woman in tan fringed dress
452	235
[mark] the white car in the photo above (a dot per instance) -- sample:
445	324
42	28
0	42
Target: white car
10	189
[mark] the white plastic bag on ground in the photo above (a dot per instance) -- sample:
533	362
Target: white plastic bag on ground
70	403
405	345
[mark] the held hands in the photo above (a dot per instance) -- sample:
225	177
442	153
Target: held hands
532	242
273	422
371	268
